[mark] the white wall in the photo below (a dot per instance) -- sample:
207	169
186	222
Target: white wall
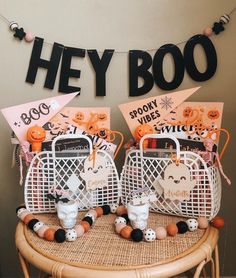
119	25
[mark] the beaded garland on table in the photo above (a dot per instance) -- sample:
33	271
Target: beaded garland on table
121	227
149	234
60	235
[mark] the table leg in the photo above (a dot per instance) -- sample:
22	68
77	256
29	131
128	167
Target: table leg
213	273
24	266
199	269
204	272
217	262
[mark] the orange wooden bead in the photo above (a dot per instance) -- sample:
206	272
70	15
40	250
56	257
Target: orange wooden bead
121	210
126	232
27	218
218	222
86	226
172	229
49	234
99	211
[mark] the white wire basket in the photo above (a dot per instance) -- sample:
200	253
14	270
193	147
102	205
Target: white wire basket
60	171
142	168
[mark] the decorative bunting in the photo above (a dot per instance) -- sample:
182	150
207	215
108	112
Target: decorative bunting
21	117
154	109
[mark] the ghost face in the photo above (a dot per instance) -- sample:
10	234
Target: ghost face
95	172
176	183
138	215
67	213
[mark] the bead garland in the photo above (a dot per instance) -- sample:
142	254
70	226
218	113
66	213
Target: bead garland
60	235
217	27
159	233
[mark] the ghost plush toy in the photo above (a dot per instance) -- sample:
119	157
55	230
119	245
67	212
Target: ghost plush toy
177	182
96	172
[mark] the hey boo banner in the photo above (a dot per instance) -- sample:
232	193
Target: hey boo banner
141	66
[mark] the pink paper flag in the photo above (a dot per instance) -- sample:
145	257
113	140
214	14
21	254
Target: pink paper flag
21	117
154	109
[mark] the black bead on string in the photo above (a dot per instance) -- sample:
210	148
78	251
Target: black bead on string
60	235
106	209
218	27
182	227
19	32
126	217
88	219
32	222
136	235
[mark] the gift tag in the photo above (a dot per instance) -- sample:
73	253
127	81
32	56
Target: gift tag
96	172
176	182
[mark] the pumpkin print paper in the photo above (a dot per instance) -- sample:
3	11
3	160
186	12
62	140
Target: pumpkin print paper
177	183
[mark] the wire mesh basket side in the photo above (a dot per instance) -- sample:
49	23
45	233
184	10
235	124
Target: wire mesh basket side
39	180
61	173
144	170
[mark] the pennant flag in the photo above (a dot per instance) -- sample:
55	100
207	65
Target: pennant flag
154	109
21	117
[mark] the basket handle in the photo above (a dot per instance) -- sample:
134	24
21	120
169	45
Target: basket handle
72	136
158	136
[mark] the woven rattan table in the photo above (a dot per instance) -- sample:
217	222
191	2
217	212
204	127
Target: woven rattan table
102	253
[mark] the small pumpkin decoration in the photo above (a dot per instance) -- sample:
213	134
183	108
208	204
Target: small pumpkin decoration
188	112
36	135
213	114
142	130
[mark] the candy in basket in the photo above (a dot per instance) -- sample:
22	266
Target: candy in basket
87	176
183	183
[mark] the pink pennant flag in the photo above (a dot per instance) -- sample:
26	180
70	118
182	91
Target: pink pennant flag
154	109
21	117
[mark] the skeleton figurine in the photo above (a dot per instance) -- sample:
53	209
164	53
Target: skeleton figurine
138	215
67	213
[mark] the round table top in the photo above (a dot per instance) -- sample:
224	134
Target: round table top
101	250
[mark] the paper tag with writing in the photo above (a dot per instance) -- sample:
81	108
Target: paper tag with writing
177	182
95	172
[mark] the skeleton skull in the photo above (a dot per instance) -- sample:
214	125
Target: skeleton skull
138	215
67	213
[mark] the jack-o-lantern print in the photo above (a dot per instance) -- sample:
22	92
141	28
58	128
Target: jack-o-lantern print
142	130
177	182
213	114
95	172
36	135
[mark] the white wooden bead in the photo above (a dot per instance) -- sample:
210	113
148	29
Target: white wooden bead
37	226
119	220
113	208
149	235
192	224
71	235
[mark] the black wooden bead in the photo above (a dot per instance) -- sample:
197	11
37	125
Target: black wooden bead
182	227
106	209
23	206
88	219
32	222
137	235
125	216
60	235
